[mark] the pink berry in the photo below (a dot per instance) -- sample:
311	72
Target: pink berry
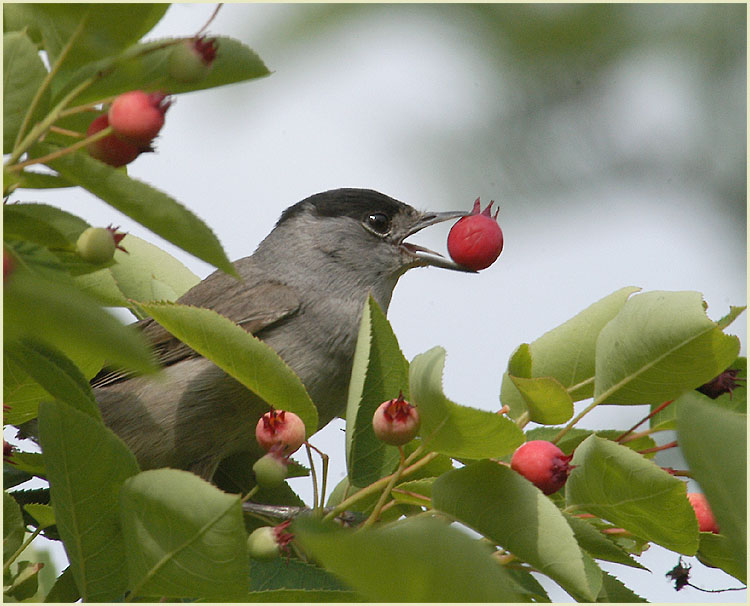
543	464
280	427
476	240
706	520
111	149
192	59
396	422
137	117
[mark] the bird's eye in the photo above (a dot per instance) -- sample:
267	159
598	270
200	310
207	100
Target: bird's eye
378	223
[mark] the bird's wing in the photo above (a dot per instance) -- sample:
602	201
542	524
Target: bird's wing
255	303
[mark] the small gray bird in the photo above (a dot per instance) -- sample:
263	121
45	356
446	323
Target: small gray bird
302	292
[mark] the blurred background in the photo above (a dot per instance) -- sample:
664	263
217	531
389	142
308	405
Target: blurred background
613	138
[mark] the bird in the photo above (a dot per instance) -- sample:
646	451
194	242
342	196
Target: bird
302	292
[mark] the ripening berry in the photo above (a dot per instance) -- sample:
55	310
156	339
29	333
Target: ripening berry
726	382
266	542
396	422
98	244
543	464
280	427
476	241
111	149
271	469
706	520
191	60
137	117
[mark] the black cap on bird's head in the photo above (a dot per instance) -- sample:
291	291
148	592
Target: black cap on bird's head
384	218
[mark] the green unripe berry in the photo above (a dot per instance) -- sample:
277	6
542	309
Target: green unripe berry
96	245
262	544
191	60
270	470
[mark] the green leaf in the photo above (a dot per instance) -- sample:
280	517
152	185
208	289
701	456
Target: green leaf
714	443
291	574
144	66
452	429
86	466
64	589
185	538
519	364
56	374
309	596
43	514
25	583
22	220
30	462
598	545
409	553
239	354
31	180
659	345
23	73
150	207
617	484
718	550
95	30
414	492
380	371
144	273
506	508
546	399
614	590
57	313
570	441
13	527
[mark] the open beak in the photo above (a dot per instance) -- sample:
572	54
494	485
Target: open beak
425	256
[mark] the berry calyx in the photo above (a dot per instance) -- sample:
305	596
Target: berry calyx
272	468
137	117
726	382
476	241
192	59
98	244
280	427
543	464
267	542
396	422
111	149
706	520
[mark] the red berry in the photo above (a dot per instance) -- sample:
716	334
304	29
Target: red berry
191	60
706	520
543	464
280	427
396	422
111	149
138	117
476	240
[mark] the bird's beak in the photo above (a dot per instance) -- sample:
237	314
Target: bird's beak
425	256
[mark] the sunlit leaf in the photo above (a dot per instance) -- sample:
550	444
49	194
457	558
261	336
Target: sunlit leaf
379	373
86	466
659	345
546	399
185	538
239	354
505	507
452	429
617	484
429	561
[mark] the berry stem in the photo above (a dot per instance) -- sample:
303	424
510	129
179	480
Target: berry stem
386	491
210	19
64	151
685	473
379	484
575	420
64	131
313	475
48	78
659	448
324	481
655	411
21	549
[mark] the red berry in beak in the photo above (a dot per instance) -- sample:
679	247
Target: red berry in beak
476	241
